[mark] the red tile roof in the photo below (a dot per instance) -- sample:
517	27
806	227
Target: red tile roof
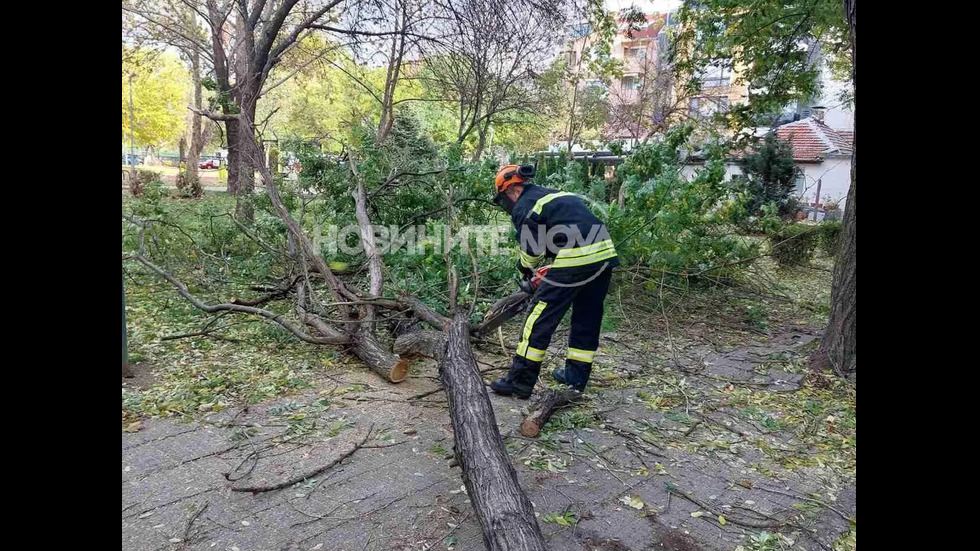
813	140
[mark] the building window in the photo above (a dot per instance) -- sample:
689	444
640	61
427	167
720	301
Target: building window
636	52
716	77
705	106
570	58
631	82
799	183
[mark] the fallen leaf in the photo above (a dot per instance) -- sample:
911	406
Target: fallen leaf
697	514
721	520
633	502
133	427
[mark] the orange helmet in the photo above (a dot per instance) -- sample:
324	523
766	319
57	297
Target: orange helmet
512	174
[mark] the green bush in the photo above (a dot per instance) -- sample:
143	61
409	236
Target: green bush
830	233
677	224
143	178
794	244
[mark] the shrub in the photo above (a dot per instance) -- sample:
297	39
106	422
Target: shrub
143	178
830	233
794	244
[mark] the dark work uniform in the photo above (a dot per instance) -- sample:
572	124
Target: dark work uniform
557	228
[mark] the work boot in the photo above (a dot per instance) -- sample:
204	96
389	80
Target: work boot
504	386
561	375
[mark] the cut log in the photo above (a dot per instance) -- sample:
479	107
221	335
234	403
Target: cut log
431	344
501	311
384	363
546	405
503	509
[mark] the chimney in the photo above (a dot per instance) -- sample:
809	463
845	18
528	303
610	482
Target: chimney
819	112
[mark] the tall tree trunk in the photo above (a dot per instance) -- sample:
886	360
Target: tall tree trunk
368	242
247	162
839	345
482	131
231	134
249	81
194	155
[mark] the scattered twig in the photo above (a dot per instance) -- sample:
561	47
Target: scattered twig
190	523
804	498
311	474
747	523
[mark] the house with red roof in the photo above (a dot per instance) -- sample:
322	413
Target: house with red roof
823	156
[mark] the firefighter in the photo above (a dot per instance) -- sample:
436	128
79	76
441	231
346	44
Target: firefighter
555	228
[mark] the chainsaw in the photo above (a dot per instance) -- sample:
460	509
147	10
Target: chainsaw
530	286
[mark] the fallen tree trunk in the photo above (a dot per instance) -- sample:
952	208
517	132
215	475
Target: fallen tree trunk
430	344
547	404
504	511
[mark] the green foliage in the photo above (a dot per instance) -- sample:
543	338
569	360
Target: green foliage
159	88
794	244
675	224
189	186
567	420
769	42
142	184
830	233
565	518
769	177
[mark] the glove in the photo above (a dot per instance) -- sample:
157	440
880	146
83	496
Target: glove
525	285
528	273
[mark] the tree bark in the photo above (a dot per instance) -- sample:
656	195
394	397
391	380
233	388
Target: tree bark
197	137
501	311
839	344
504	511
430	344
389	366
247	159
231	135
376	277
546	405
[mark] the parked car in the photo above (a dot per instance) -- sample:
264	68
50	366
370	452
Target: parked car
210	163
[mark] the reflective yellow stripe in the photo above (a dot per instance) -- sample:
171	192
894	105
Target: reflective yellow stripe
540	203
594	248
581	355
530	261
522	349
534	354
584	260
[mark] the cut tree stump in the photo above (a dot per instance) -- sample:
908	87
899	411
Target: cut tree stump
503	509
546	405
